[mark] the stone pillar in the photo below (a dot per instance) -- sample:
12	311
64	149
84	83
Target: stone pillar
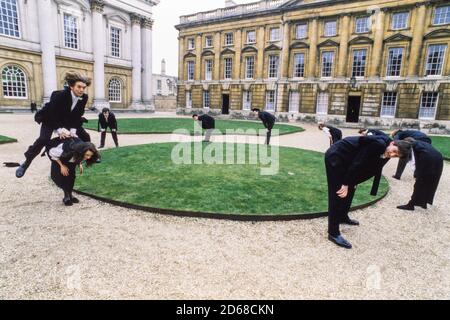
261	41
181	64
285	51
98	45
377	52
237	56
147	75
313	35
198	57
217	49
343	47
46	34
417	41
136	61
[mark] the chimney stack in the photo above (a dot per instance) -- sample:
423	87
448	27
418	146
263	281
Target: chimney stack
163	67
230	3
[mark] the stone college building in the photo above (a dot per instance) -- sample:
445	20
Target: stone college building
373	62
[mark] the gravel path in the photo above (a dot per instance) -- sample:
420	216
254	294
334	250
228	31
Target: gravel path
99	251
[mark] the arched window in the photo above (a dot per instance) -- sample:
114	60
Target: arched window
14	82
115	90
9	18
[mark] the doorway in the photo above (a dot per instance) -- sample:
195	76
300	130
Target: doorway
353	109
225	104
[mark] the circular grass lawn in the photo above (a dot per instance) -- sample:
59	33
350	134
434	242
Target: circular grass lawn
169	125
4	140
145	177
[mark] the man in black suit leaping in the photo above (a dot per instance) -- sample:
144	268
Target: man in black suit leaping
63	114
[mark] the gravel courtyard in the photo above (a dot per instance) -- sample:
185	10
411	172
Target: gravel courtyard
99	251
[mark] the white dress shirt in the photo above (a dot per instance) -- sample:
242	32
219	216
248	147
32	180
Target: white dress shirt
56	152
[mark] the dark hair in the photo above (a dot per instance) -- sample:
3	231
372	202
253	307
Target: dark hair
80	149
404	147
361	131
105	110
256	110
194	115
73	77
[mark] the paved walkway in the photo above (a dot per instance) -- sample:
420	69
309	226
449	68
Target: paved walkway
99	251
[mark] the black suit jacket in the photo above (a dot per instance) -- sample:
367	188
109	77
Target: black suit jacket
267	119
57	112
375	132
417	135
103	123
207	121
428	160
361	158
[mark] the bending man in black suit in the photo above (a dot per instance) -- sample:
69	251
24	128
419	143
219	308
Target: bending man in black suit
63	115
208	123
107	119
334	134
429	164
268	121
402	135
349	163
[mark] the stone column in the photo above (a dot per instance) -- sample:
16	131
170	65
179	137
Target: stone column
198	57
46	34
136	60
98	45
377	52
313	35
417	41
181	64
237	56
217	49
261	41
147	75
285	51
343	47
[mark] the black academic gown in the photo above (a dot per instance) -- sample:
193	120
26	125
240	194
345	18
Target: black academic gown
429	166
207	122
417	135
350	162
336	134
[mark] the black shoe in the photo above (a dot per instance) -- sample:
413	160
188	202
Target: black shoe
101	147
20	172
351	222
340	241
67	202
395	177
74	200
98	161
423	206
408	207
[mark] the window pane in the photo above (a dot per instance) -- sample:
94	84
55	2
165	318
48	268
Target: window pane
322	103
435	59
273	66
299	65
442	15
302	31
115	41
115	91
400	20
395	59
388	105
9	18
327	63
330	28
14	82
359	63
70	32
228	68
249	67
428	105
362	25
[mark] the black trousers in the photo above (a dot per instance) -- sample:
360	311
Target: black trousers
103	136
338	208
45	136
402	162
336	137
65	183
425	189
269	135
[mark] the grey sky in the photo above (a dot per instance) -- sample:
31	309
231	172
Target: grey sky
165	37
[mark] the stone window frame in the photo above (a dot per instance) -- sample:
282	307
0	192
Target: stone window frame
273	28
226	38
19	21
209	36
269	55
385	107
352	50
425	99
384	65
320	99
268	101
324	27
189	99
23	86
206	99
434	15
247	104
120	40
445	58
78	30
230	70
408	20
368	21
188	62
246	36
245	57
293	68
189	41
297	104
116	91
207	60
302	23
402	64
334	65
